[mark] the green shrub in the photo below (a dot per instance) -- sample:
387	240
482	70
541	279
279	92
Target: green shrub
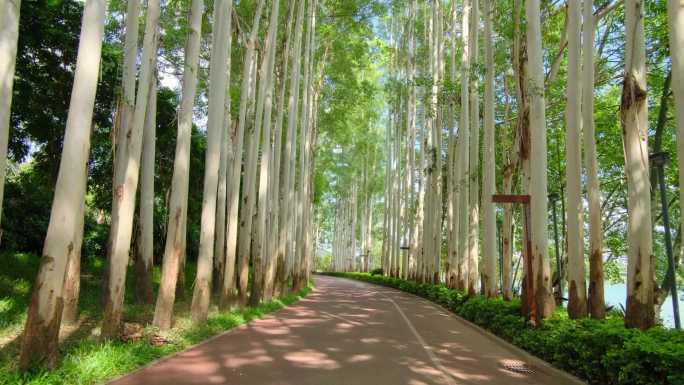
600	352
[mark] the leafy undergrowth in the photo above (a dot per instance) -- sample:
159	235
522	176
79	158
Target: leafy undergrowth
86	360
600	352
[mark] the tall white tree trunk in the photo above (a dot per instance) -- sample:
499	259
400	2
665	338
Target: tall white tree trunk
9	34
596	303
126	188
411	128
452	182
634	111
474	173
489	249
218	67
275	264
124	120
220	227
40	342
145	250
577	292
541	271
675	14
304	138
285	197
174	250
248	77
463	152
127	90
519	65
261	253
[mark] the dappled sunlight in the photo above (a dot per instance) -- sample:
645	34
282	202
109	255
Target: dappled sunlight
370	340
252	357
359	358
331	339
311	359
280	343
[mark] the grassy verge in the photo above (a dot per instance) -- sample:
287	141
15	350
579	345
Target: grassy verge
86	360
600	352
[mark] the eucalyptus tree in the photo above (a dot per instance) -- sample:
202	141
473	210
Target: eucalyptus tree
9	34
537	178
128	79
489	249
145	250
292	224
634	113
675	13
463	151
39	345
218	78
596	301
220	228
452	179
225	158
474	162
577	297
126	188
261	252
432	209
367	217
174	249
304	140
275	268
411	131
287	160
519	57
248	77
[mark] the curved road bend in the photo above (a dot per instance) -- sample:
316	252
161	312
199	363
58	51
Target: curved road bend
346	333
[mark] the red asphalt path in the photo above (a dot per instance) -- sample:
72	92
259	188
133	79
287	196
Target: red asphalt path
345	333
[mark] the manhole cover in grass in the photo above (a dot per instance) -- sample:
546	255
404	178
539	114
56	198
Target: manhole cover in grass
517	367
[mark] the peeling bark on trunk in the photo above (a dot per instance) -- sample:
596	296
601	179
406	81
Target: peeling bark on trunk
464	149
274	268
261	254
220	228
72	281
245	105
634	113
145	250
39	344
122	219
489	244
474	153
174	250
596	301
577	294
287	175
218	69
538	170
304	138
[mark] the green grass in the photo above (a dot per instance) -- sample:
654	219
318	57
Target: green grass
86	360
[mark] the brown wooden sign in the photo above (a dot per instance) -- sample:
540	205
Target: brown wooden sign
503	198
528	301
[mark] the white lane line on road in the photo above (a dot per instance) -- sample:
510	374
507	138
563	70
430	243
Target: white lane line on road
355	323
445	372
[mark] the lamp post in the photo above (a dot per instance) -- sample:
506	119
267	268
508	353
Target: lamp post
658	161
553	197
